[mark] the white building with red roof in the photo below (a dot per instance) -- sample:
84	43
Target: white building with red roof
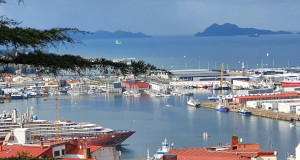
20	143
235	151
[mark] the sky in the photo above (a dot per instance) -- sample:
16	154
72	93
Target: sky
155	17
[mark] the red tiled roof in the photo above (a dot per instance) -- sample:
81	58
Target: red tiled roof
243	151
77	150
210	157
270	96
13	150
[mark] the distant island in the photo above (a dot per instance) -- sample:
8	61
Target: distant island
229	29
107	34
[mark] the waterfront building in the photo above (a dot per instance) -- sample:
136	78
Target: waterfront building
158	87
288	107
192	74
113	87
243	99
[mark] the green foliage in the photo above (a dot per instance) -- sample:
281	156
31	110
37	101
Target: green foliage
55	64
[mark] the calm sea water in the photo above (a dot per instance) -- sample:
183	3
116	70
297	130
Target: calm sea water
189	52
153	122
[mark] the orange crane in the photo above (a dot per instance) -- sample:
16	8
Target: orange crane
222	74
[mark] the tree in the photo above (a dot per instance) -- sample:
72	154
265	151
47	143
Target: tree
24	47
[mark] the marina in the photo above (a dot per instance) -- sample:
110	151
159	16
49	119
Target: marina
136	113
119	80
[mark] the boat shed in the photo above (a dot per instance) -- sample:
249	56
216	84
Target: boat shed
236	78
135	84
243	99
288	107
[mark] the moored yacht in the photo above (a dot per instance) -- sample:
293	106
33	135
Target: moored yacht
91	134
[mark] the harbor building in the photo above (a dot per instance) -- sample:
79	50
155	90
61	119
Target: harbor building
188	74
243	99
288	107
196	74
135	84
113	87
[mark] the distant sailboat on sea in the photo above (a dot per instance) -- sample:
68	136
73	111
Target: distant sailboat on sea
118	42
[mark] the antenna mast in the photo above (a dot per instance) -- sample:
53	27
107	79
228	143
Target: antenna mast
56	111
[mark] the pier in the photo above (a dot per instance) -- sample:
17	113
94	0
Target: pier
256	112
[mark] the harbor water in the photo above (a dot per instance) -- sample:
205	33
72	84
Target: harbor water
156	118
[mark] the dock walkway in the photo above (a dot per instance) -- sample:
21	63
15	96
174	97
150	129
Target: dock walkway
257	112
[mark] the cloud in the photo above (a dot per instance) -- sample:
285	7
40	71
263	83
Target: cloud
156	17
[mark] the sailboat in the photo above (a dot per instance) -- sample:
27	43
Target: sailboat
118	42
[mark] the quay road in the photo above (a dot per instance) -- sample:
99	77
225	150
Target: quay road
256	112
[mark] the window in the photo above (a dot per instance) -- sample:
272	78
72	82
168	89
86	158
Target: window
63	152
56	153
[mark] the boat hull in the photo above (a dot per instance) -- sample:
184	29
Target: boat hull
195	106
290	84
115	138
222	109
245	113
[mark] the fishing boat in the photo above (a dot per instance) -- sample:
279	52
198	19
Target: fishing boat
18	95
290	84
74	132
193	103
244	111
200	86
222	108
291	81
164	149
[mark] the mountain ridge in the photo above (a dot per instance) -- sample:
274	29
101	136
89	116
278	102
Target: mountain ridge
107	34
228	29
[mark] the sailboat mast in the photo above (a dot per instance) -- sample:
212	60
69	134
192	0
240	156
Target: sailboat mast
222	74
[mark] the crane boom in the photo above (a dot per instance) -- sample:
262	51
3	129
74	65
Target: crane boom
222	74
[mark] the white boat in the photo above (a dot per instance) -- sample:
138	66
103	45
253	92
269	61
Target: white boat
164	149
193	103
244	111
222	108
118	42
213	98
